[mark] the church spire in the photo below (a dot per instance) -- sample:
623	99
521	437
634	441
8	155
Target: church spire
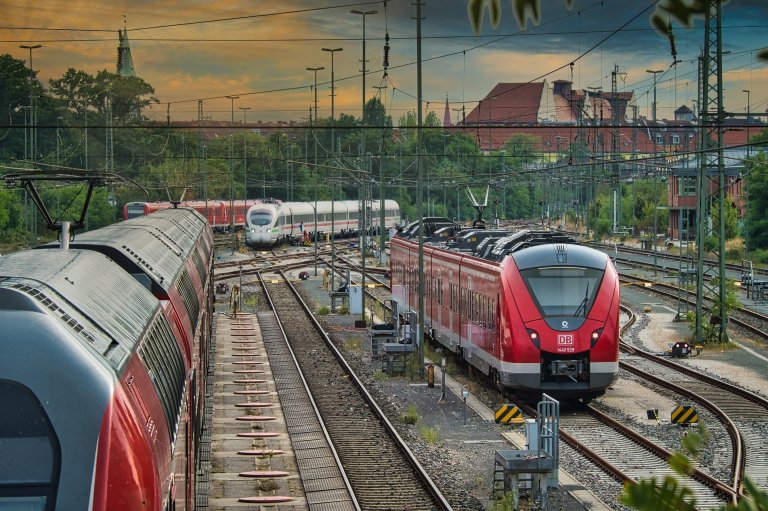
124	60
446	114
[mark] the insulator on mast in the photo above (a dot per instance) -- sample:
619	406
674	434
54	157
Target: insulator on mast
386	52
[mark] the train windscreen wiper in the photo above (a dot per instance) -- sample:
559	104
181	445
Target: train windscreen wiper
583	304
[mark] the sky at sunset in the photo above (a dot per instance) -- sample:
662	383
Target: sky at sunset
258	50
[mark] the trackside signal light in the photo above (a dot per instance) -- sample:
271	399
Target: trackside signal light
596	336
534	336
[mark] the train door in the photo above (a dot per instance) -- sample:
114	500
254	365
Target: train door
468	315
439	297
452	301
289	222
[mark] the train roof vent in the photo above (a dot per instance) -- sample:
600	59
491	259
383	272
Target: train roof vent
562	253
104	346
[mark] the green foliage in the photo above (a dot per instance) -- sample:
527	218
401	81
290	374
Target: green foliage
710	332
323	311
654	495
668	494
759	255
757	190
429	434
731	219
411	415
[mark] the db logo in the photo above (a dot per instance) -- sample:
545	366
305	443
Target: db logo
565	340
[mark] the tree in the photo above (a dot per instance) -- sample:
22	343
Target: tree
682	11
14	101
757	190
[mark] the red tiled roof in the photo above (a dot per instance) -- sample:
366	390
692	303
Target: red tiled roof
509	103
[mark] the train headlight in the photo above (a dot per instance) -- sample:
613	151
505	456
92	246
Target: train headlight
595	337
534	336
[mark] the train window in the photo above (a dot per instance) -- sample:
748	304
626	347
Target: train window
200	266
162	357
30	454
563	291
189	297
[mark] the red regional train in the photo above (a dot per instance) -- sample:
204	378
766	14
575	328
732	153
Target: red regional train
102	375
531	310
218	212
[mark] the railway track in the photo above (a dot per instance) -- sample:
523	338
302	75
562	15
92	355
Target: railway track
382	471
750	320
667	257
737	409
629	456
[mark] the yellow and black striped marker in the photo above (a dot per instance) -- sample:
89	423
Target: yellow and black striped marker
509	414
685	414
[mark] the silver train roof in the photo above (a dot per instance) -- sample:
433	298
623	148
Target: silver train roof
159	243
84	290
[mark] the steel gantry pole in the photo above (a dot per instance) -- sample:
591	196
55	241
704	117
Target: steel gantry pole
382	211
712	164
746	190
245	155
314	138
655	190
363	242
32	114
420	189
232	167
333	150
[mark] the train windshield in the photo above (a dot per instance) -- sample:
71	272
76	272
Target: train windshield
134	210
29	451
563	291
260	218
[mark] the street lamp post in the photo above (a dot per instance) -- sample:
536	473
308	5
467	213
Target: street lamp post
32	116
314	137
333	150
245	155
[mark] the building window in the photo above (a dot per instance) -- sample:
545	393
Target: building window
659	138
688	185
675	139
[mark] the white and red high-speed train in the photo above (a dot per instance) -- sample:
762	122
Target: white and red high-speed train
103	367
532	310
274	222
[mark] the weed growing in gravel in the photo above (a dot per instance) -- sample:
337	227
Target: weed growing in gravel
251	300
268	485
354	344
412	366
411	415
343	310
323	311
430	435
504	502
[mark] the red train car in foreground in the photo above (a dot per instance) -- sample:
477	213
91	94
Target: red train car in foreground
531	309
103	370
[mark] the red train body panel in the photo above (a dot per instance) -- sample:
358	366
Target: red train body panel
540	317
120	324
218	213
